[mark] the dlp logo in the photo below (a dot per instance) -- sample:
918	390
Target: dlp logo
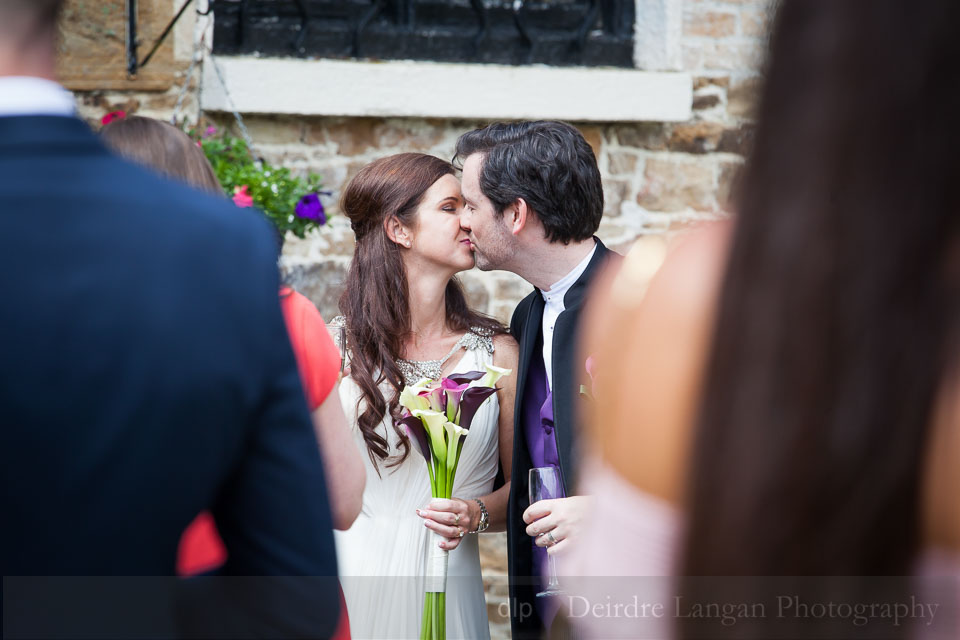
523	609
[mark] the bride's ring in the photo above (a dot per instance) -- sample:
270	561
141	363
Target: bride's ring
457	519
550	537
459	532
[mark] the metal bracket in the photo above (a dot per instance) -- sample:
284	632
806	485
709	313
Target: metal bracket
133	65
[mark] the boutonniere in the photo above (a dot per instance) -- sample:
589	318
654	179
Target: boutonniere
589	392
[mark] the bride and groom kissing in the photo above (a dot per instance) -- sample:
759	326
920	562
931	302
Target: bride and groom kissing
530	202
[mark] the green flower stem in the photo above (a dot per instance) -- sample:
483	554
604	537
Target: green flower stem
442	624
433	480
427	616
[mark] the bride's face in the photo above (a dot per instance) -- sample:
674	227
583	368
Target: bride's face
437	236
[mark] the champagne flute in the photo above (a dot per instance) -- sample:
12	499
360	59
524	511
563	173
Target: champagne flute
339	335
546	484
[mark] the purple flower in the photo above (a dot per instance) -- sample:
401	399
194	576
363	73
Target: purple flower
311	208
211	130
454	391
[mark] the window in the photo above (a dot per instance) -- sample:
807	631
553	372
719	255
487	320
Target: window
553	32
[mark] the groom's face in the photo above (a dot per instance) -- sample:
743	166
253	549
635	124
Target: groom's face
490	239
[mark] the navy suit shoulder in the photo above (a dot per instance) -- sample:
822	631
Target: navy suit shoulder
146	376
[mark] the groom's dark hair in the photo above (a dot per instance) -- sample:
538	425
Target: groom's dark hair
547	163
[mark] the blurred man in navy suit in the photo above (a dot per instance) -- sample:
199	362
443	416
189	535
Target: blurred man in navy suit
145	376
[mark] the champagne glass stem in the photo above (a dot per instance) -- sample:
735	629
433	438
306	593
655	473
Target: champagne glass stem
554	584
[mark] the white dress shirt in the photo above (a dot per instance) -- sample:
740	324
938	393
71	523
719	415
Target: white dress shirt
29	96
554	307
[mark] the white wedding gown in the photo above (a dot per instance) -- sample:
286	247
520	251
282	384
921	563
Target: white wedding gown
383	556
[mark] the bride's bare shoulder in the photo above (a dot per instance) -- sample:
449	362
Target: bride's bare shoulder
505	350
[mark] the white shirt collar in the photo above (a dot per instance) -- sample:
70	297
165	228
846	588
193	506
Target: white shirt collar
29	96
559	288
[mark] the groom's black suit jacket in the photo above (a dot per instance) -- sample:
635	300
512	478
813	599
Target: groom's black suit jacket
569	372
146	376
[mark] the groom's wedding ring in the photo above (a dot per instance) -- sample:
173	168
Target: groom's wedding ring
550	537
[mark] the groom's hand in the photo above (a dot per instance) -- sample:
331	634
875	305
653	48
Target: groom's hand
452	519
553	523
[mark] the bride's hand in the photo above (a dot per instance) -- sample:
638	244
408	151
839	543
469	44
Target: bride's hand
452	519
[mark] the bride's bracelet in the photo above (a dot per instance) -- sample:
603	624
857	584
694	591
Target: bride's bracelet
484	522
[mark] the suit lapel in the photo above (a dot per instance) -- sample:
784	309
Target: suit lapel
527	348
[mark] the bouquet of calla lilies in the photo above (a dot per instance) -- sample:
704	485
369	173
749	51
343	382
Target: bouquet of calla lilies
436	417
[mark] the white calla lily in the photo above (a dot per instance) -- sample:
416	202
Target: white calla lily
435	423
493	375
410	401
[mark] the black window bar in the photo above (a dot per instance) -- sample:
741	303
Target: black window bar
557	32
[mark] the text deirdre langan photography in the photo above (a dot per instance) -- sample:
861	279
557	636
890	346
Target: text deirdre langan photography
782	607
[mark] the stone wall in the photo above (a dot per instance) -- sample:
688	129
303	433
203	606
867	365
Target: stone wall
658	178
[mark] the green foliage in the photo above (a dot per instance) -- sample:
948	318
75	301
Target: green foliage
274	190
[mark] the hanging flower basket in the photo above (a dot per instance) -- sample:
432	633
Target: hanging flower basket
292	203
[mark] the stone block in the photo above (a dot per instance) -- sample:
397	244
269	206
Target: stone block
736	140
322	283
352	136
617	231
503	313
709	24
693	55
478	297
274	129
670	185
643	135
162	102
755	23
743	56
407	135
493	553
509	287
701	103
594	137
333	175
743	96
695	137
622	163
614	193
91	50
703	82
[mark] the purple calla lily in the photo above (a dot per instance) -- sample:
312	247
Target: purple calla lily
469	376
417	434
470	402
453	392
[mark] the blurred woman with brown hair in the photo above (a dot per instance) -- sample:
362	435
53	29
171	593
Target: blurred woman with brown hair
407	318
785	399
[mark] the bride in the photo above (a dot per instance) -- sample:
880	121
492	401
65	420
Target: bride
406	319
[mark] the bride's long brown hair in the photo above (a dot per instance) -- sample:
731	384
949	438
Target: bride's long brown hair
375	301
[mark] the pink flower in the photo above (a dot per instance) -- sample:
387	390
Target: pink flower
113	115
242	197
211	130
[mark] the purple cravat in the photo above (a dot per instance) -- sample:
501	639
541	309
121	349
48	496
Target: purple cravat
541	442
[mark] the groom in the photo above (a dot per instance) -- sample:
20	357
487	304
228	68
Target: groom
533	201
